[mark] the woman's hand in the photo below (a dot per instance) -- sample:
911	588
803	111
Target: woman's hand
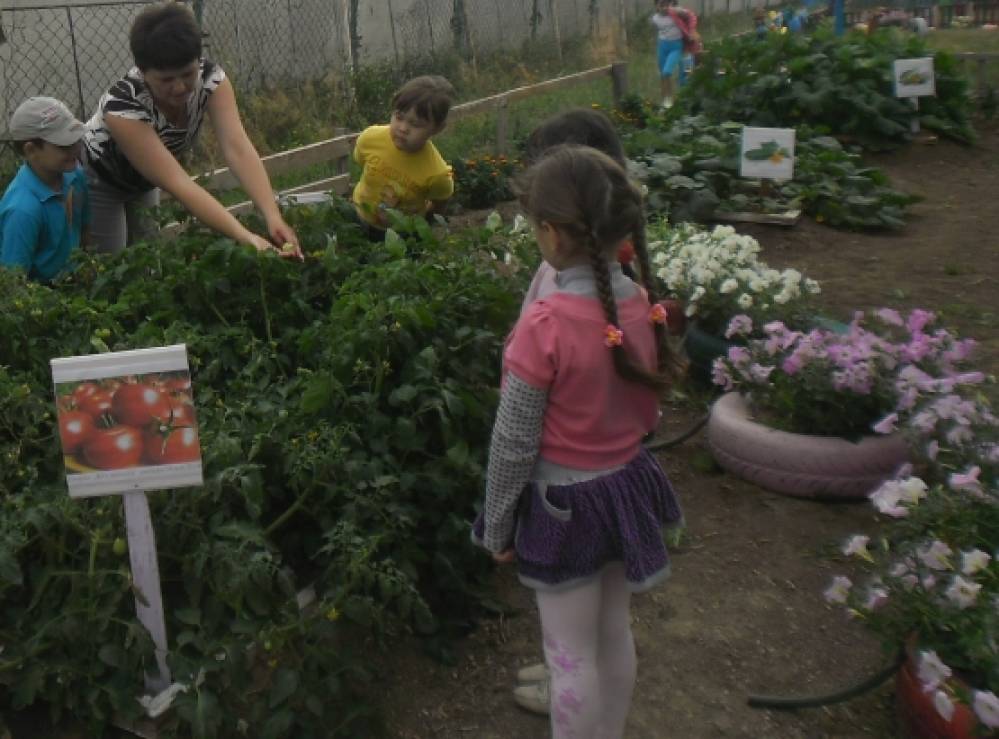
505	557
258	242
283	234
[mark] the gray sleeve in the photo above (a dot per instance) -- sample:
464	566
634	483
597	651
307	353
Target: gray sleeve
512	454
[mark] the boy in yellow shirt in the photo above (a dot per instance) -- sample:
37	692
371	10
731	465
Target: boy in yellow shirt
402	169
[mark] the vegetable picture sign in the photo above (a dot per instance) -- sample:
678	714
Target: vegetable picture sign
914	78
767	153
127	422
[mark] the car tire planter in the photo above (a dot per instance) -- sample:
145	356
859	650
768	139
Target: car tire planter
918	716
827	467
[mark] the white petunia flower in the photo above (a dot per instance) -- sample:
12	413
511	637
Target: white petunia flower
974	561
932	671
986	707
745	301
944	705
728	286
936	556
856	546
962	593
837	592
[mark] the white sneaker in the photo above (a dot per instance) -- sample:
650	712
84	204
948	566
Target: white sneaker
535	697
532	674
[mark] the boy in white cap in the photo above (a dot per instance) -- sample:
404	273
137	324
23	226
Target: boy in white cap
44	212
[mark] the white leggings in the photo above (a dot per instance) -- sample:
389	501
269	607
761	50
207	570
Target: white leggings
591	656
118	218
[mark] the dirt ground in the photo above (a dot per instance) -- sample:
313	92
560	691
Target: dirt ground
743	612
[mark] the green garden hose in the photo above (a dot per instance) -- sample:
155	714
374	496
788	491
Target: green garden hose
768	701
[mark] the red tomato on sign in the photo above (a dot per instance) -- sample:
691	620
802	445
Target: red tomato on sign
182	412
175	445
75	427
95	404
137	404
83	390
114	448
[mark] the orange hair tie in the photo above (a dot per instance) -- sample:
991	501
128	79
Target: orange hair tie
613	336
658	313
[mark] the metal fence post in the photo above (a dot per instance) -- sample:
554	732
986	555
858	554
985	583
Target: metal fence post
76	61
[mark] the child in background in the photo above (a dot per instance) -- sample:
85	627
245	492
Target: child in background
674	25
586	127
571	495
402	169
44	212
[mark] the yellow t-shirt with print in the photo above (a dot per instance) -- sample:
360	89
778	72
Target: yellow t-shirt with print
397	179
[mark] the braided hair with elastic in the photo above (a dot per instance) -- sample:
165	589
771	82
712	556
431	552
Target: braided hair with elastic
587	196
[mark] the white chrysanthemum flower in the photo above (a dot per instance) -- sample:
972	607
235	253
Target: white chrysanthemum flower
728	286
745	301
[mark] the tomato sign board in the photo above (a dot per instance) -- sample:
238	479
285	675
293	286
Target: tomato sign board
767	153
127	421
914	78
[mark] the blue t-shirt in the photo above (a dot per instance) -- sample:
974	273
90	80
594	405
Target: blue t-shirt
39	227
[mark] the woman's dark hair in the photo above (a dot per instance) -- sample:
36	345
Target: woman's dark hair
430	97
582	126
165	36
587	195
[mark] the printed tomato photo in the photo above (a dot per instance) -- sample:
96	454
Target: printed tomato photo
139	404
172	446
114	448
117	423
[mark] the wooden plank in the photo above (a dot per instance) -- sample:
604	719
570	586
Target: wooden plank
488	104
788	218
502	126
146	581
286	161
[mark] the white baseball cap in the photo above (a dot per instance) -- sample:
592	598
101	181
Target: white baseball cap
46	119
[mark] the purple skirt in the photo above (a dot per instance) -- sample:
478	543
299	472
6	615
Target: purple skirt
567	534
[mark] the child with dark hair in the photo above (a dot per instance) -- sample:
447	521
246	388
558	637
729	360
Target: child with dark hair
401	167
44	212
571	494
151	116
586	127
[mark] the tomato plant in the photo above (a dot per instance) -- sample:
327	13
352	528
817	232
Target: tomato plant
75	428
139	404
114	448
172	446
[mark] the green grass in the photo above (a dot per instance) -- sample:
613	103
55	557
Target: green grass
964	39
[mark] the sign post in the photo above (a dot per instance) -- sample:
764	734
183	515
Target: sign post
127	426
914	78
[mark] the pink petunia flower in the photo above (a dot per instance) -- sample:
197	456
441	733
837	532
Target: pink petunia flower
986	707
932	671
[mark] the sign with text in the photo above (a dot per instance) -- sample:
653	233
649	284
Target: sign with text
767	153
914	78
127	421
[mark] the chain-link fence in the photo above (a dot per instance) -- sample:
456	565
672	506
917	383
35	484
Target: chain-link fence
75	50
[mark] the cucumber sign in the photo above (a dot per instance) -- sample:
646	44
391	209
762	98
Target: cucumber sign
767	153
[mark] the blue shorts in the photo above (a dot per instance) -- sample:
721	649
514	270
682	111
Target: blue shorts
670	55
